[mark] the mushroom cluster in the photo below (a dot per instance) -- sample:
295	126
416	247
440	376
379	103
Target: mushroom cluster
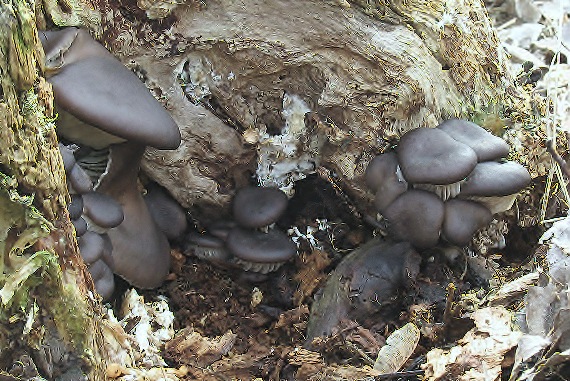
109	116
92	215
446	181
249	241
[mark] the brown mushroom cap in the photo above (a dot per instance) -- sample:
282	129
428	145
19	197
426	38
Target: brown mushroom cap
431	156
486	145
493	178
382	177
103	210
96	88
254	207
416	216
258	247
462	219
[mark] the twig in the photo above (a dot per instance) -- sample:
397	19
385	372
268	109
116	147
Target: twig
406	375
557	158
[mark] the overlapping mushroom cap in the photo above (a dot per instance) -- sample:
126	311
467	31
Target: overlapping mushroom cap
95	87
239	242
453	179
102	103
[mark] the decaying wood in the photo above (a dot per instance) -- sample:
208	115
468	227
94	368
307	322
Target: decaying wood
310	85
363	72
49	318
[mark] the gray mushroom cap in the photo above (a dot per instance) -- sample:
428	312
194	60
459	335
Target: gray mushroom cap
91	247
103	278
493	178
103	210
431	156
382	177
79	180
258	247
205	240
486	145
221	229
67	156
75	207
462	219
165	211
92	85
80	226
254	207
416	216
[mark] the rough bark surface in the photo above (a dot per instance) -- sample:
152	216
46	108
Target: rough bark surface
281	89
274	90
49	319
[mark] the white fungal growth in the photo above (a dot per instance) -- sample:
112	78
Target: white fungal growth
281	161
455	18
194	78
154	326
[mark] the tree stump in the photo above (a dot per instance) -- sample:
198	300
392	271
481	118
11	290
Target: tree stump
268	91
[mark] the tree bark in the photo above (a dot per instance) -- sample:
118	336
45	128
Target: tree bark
281	89
277	89
50	322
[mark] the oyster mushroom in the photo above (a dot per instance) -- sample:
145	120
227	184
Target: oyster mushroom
111	101
462	219
486	145
258	251
384	177
416	216
141	251
165	211
111	107
495	184
432	160
256	207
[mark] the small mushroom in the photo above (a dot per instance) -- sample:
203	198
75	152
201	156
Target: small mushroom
486	145
103	278
495	184
165	211
255	207
91	247
462	219
67	156
209	248
75	207
258	251
221	229
383	176
79	180
431	156
102	210
80	226
416	216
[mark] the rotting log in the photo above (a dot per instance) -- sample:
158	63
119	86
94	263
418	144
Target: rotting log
50	321
345	77
280	89
363	72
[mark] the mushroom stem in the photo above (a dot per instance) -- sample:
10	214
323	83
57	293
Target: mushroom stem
141	251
